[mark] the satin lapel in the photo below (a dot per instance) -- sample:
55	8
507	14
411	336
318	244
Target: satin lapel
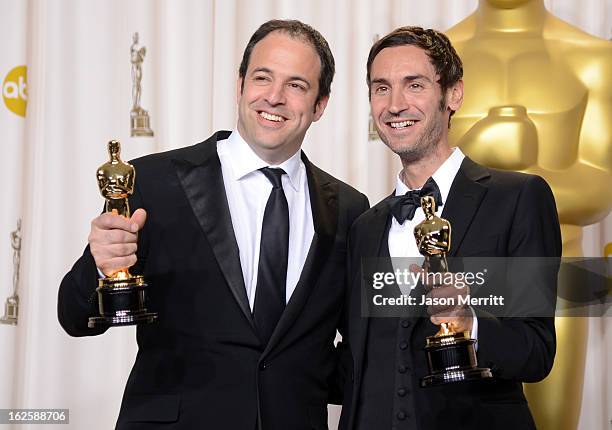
324	206
202	182
463	200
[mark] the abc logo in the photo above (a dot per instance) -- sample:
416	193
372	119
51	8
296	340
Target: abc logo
14	90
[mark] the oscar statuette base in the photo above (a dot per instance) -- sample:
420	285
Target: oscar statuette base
121	302
140	125
11	311
452	358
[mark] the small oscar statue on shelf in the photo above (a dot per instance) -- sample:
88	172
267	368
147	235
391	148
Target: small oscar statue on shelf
121	296
451	356
139	118
11	306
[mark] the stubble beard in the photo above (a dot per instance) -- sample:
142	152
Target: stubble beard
425	144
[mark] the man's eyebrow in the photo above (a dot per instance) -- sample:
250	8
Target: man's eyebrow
411	78
380	81
261	69
291	78
407	78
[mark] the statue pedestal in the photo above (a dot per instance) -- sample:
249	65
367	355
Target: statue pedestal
11	311
139	126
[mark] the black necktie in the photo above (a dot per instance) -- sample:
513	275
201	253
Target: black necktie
273	253
404	207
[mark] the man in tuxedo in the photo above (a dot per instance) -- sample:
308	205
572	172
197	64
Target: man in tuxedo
242	241
415	82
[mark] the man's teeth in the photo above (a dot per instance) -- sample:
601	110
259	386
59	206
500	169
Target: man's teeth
401	124
271	117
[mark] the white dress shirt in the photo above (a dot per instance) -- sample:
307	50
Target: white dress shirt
247	190
401	236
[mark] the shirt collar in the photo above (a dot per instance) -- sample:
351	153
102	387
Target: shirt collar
243	161
444	176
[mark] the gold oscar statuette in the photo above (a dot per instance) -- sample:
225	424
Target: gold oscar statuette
451	356
121	295
537	100
139	118
11	306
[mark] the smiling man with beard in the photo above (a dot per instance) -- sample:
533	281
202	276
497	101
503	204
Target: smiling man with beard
415	82
243	249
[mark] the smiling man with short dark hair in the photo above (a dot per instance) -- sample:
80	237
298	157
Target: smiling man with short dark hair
414	77
242	241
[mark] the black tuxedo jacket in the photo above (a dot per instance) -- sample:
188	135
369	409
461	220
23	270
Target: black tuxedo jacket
493	213
201	365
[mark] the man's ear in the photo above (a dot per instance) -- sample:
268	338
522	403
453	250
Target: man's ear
454	96
239	82
320	108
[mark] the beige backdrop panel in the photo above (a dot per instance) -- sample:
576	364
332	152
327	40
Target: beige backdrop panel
12	128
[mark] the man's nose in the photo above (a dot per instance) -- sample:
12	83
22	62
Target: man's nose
276	94
398	102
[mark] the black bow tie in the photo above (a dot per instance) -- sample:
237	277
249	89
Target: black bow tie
404	207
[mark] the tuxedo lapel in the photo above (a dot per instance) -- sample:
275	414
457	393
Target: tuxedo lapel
202	181
324	206
464	198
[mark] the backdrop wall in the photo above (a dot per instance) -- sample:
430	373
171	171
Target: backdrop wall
78	95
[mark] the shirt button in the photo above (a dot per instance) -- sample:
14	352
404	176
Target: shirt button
401	415
401	392
405	323
403	345
263	365
402	369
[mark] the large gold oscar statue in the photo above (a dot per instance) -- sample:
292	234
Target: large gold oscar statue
538	99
